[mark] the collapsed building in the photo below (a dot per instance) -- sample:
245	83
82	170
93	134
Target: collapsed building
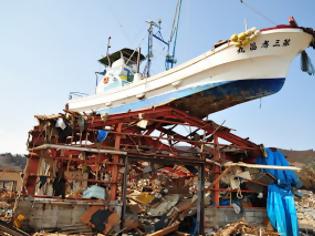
150	172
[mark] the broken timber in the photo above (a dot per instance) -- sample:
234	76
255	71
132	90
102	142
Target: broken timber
131	137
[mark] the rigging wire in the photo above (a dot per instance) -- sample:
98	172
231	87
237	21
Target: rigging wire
138	45
257	12
119	23
175	24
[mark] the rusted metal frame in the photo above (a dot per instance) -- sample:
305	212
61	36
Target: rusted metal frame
216	170
149	114
90	161
148	140
163	111
38	138
151	128
218	178
224	134
130	149
171	143
175	136
124	117
165	160
155	149
240	142
124	193
235	140
190	134
150	111
82	179
181	138
164	121
114	168
200	200
161	146
29	182
194	120
156	141
153	141
168	156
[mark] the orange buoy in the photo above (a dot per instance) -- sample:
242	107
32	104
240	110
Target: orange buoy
106	79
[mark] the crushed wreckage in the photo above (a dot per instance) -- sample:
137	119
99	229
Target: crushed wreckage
138	173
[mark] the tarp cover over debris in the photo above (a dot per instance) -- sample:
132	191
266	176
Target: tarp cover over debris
280	201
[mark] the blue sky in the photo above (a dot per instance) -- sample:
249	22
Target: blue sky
49	48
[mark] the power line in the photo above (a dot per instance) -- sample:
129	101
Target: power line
257	12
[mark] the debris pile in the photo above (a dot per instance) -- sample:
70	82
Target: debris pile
243	228
7	199
305	207
151	172
307	176
78	229
160	201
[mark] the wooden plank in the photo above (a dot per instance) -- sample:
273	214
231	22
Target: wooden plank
178	233
217	179
78	148
166	230
258	166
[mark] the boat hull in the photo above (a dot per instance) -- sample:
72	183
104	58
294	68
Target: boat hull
227	95
203	100
213	81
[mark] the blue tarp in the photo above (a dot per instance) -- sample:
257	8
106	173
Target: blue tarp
281	211
94	191
101	135
280	201
285	178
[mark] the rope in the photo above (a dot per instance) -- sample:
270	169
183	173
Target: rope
139	44
120	25
258	12
239	194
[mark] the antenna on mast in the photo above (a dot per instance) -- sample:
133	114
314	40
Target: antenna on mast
151	35
170	57
107	49
108	45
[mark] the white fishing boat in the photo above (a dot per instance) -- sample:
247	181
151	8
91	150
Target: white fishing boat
248	66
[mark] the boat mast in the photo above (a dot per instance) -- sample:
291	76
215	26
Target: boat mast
150	46
158	36
170	59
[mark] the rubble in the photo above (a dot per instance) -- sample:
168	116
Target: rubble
243	228
305	207
105	174
7	199
154	207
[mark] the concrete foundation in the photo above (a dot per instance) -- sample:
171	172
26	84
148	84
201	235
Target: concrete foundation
43	213
222	216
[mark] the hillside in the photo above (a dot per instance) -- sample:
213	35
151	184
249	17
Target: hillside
304	157
12	162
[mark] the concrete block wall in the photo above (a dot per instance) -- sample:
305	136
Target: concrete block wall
47	213
222	216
